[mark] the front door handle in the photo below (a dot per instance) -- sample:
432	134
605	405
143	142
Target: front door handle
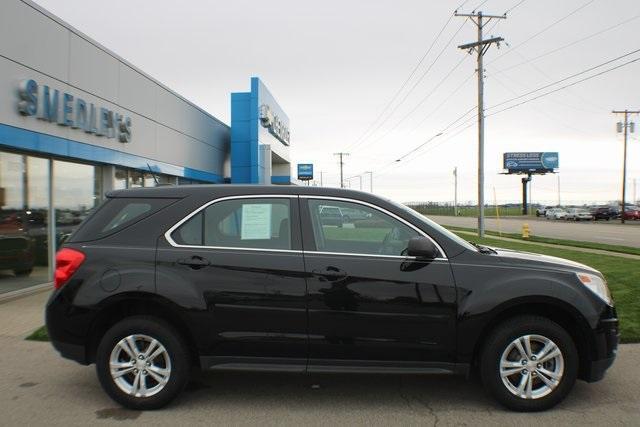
195	262
330	273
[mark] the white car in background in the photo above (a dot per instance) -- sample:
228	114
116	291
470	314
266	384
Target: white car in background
556	213
578	214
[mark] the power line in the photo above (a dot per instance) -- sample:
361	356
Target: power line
567	78
559	89
573	43
416	83
422	101
480	5
545	29
513	7
406	81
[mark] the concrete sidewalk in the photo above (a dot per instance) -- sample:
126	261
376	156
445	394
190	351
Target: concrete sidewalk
21	316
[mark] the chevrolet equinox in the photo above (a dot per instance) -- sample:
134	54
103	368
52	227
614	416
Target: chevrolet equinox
223	277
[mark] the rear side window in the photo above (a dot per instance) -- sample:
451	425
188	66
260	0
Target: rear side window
117	214
239	223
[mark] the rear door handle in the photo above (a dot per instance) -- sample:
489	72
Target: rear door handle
195	262
330	273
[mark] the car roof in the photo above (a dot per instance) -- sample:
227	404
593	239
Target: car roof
222	190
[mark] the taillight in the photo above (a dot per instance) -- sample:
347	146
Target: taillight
67	262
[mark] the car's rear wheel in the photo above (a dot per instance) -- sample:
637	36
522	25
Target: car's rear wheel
529	363
142	363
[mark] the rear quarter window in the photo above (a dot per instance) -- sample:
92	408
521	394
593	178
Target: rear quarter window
116	214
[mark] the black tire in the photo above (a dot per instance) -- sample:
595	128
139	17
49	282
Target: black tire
176	350
497	343
23	272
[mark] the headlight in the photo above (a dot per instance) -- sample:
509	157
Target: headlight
597	285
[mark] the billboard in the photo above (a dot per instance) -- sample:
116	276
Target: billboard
305	171
530	162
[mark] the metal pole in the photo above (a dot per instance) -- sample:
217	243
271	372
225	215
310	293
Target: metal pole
455	191
370	181
321	183
559	201
624	165
480	133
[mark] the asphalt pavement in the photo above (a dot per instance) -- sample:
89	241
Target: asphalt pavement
40	388
609	232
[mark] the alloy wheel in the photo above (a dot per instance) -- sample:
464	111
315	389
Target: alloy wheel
140	365
531	366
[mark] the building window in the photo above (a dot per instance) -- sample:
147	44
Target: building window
24	206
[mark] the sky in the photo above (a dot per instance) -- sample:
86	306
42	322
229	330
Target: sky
336	67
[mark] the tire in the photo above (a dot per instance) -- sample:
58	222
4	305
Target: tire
175	357
22	272
542	396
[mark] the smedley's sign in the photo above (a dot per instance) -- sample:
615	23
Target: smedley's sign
62	108
274	124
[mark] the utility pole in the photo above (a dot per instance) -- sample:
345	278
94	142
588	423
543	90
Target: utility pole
370	181
480	47
342	156
625	127
321	179
559	201
455	191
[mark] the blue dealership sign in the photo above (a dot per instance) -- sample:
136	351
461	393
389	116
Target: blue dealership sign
305	171
531	162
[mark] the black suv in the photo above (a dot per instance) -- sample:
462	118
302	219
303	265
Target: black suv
160	280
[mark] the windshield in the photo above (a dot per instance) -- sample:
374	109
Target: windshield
436	226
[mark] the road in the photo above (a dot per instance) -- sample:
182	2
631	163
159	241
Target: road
600	232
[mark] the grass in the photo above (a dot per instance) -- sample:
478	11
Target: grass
552	241
467	210
39	334
622	274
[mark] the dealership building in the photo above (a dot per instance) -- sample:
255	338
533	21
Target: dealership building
76	121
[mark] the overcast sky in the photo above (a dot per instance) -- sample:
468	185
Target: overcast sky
335	65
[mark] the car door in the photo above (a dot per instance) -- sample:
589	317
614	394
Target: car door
369	304
236	264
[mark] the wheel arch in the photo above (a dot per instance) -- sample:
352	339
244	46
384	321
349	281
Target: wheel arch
551	308
132	304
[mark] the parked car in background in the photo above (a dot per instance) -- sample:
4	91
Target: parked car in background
556	213
331	215
578	214
159	281
542	210
603	212
631	213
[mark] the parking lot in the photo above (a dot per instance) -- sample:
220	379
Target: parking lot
611	232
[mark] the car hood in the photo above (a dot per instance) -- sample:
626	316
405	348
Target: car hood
542	261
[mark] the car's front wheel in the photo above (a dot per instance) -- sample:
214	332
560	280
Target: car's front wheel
529	363
142	363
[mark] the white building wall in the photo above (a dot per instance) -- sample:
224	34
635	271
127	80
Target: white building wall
165	127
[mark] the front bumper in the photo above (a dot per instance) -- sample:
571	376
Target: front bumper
607	337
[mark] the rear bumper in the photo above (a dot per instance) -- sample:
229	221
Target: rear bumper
74	352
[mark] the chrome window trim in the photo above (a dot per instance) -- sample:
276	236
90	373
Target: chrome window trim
404	257
167	234
378	208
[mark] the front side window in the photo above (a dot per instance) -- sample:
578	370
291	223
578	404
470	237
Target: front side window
239	223
347	227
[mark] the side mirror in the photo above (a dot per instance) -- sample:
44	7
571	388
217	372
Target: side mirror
422	247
